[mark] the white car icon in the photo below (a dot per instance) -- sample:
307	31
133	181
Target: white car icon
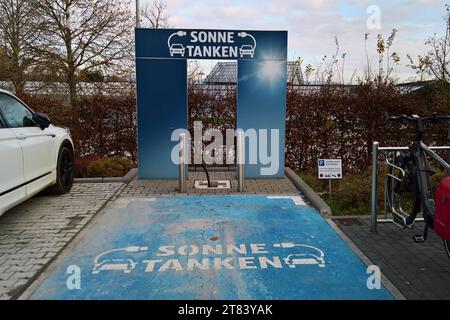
247	50
124	264
177	48
306	255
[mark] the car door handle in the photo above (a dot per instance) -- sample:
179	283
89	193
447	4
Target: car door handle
51	135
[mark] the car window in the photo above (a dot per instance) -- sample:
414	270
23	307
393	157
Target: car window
15	113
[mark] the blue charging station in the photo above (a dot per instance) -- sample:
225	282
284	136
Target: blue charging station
161	76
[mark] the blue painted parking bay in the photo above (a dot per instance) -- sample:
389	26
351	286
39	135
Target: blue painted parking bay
209	247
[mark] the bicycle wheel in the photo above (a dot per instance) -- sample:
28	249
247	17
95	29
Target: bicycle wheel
402	193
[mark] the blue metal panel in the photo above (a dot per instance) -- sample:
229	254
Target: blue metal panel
261	101
162	108
309	260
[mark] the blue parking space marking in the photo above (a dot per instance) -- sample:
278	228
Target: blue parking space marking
211	247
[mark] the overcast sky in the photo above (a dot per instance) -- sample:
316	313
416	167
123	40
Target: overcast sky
313	24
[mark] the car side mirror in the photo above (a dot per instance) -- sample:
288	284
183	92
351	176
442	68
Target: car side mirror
42	120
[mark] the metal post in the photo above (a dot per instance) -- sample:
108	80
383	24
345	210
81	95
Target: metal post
138	14
373	214
386	181
182	173
240	159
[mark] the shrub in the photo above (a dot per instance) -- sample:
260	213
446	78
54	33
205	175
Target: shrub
335	122
349	196
100	125
82	164
352	194
436	179
109	167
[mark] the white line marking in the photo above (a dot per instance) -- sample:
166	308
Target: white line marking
122	203
298	201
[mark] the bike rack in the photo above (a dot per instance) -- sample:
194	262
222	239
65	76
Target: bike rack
400	213
376	150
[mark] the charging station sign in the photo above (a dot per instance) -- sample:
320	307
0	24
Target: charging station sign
330	168
212	44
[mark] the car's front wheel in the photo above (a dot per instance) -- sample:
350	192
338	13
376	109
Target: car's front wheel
64	172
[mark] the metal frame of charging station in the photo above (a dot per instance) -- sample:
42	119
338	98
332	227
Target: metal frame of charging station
161	85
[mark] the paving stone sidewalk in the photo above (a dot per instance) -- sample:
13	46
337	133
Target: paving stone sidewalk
143	188
34	232
418	270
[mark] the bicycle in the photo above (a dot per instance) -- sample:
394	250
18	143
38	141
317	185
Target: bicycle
409	172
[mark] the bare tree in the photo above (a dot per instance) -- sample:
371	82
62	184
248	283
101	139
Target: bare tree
421	66
86	34
195	71
155	15
3	65
436	62
439	55
20	31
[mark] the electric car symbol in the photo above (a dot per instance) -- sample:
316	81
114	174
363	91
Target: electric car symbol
247	50
177	48
306	255
113	263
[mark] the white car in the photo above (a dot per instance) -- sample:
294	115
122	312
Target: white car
34	155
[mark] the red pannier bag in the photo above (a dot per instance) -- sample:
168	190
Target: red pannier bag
442	211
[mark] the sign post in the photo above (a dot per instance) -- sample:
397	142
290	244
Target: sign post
138	14
329	169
